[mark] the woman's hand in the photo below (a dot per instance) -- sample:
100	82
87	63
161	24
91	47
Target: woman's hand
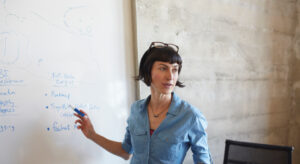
85	125
87	129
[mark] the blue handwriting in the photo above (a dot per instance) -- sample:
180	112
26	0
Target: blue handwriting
62	79
60	94
7	106
3	73
60	106
7	128
7	110
67	115
8	92
7	103
59	127
79	106
4	79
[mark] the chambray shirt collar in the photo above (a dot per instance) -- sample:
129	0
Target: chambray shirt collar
173	106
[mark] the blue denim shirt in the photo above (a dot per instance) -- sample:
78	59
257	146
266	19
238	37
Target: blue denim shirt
183	128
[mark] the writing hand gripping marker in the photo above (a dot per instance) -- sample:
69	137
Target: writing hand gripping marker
77	111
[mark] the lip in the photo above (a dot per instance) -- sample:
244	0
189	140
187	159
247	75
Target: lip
167	85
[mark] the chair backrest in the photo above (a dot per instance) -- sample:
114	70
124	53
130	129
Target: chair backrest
237	152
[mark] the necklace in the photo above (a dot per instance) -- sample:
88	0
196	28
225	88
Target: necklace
156	115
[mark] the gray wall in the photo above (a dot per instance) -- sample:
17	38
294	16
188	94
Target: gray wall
241	65
294	82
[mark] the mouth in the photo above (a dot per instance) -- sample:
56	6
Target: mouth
167	85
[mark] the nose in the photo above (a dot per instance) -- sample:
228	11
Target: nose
170	75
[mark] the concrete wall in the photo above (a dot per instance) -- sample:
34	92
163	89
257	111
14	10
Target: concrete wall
241	65
294	130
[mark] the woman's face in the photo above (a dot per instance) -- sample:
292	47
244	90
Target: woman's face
164	77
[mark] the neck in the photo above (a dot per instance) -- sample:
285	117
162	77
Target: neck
159	101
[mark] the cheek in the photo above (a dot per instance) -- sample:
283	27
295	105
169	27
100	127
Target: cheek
156	77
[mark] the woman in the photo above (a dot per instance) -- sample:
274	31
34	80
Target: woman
162	127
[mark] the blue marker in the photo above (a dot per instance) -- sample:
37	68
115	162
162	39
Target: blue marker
77	111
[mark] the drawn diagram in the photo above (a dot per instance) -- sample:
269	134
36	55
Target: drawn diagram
77	20
3	2
12	46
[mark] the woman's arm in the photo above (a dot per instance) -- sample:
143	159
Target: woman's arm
88	130
111	146
198	141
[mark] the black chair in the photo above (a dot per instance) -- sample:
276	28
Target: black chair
237	152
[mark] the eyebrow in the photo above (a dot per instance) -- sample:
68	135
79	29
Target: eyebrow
172	65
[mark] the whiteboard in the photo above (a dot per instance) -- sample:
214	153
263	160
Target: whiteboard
54	53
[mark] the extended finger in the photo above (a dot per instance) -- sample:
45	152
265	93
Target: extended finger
78	116
79	121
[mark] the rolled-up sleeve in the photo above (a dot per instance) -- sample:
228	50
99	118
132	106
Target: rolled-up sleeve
198	141
126	144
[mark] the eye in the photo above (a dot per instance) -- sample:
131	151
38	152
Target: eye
175	70
162	68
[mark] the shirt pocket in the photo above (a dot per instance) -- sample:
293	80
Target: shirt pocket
139	140
170	146
172	139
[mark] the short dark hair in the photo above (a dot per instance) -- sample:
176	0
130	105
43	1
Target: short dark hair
153	54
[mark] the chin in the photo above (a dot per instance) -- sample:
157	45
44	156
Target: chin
169	91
